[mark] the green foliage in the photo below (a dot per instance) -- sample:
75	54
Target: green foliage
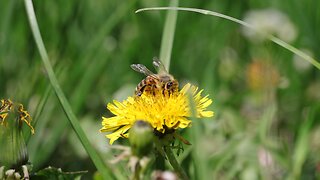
57	173
266	99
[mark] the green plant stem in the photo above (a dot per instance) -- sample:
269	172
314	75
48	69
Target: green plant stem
168	35
174	163
105	172
137	171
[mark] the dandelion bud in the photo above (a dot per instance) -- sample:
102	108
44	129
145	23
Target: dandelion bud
141	138
13	150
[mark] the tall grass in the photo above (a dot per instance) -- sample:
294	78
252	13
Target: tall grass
105	172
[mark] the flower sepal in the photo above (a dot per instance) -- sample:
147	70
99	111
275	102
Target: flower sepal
141	138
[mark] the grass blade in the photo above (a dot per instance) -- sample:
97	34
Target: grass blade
86	83
168	35
270	37
302	147
105	172
5	26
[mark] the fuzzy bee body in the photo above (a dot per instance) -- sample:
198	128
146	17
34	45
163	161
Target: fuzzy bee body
162	81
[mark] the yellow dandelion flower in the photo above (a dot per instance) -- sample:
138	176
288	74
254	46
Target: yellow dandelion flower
165	113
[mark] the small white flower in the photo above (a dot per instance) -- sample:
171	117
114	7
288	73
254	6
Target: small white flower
270	21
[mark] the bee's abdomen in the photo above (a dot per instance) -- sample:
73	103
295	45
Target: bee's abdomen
140	88
147	85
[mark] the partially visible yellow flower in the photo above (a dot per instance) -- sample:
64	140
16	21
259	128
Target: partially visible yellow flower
7	108
261	75
163	112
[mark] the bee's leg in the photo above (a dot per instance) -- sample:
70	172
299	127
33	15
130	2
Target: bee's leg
153	89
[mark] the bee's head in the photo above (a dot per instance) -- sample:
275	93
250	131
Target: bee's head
169	83
173	84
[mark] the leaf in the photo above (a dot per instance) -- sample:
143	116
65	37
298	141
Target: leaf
57	173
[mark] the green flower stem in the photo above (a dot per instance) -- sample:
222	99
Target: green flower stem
137	171
174	163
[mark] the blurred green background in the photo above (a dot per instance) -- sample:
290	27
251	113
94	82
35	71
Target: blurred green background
266	99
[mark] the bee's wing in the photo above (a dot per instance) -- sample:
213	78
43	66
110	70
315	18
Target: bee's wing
159	66
141	69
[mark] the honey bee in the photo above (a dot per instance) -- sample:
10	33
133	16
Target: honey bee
162	81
